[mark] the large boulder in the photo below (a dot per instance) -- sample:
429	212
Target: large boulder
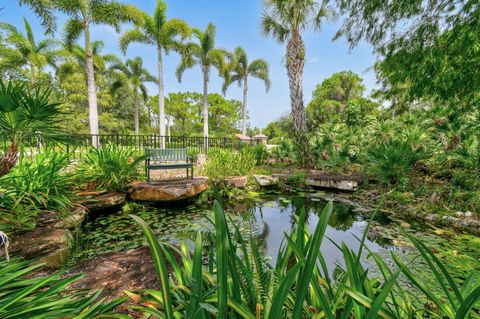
62	220
266	180
167	191
50	246
235	181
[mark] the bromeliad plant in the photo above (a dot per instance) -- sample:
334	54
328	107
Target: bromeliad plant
235	281
109	167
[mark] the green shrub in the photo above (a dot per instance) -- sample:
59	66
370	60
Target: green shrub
40	181
233	279
109	167
222	162
261	154
467	155
24	294
284	152
393	160
464	179
32	186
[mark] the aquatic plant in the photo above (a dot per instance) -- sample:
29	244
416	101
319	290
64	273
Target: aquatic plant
109	167
234	280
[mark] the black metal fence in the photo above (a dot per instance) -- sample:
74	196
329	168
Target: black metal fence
74	145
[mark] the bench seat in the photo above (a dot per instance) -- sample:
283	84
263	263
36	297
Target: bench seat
158	159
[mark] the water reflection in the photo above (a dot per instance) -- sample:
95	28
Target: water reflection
273	217
268	217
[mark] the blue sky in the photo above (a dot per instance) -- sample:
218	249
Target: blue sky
238	24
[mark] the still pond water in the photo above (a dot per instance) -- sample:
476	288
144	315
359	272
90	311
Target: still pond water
270	217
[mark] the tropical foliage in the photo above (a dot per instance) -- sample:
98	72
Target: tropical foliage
239	69
204	53
33	186
109	167
165	35
43	297
25	113
285	21
224	163
235	280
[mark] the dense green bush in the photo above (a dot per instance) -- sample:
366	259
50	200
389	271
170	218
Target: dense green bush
223	162
261	154
284	153
26	295
393	160
234	280
32	186
467	155
109	167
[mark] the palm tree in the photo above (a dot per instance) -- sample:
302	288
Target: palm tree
165	35
203	53
133	76
285	20
76	57
238	70
83	14
22	50
25	112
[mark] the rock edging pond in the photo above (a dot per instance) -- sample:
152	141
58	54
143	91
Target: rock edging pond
167	191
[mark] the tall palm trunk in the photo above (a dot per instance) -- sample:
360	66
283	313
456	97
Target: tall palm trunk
295	66
244	110
161	97
205	105
92	90
136	116
9	159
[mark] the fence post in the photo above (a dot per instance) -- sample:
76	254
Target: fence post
117	139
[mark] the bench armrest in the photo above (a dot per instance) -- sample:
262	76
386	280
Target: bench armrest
190	159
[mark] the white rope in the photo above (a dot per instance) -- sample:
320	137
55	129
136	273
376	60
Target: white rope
5	242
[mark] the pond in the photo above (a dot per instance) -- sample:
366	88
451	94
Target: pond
270	217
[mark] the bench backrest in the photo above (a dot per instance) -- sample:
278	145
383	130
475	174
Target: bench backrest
167	154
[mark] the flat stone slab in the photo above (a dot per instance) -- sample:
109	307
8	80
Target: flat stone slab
340	184
167	191
102	200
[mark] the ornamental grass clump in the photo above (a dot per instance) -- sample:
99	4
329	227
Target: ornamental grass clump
32	186
224	163
234	280
109	167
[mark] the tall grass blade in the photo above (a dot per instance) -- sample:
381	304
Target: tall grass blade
160	265
312	254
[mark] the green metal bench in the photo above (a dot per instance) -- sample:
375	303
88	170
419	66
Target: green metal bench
168	158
